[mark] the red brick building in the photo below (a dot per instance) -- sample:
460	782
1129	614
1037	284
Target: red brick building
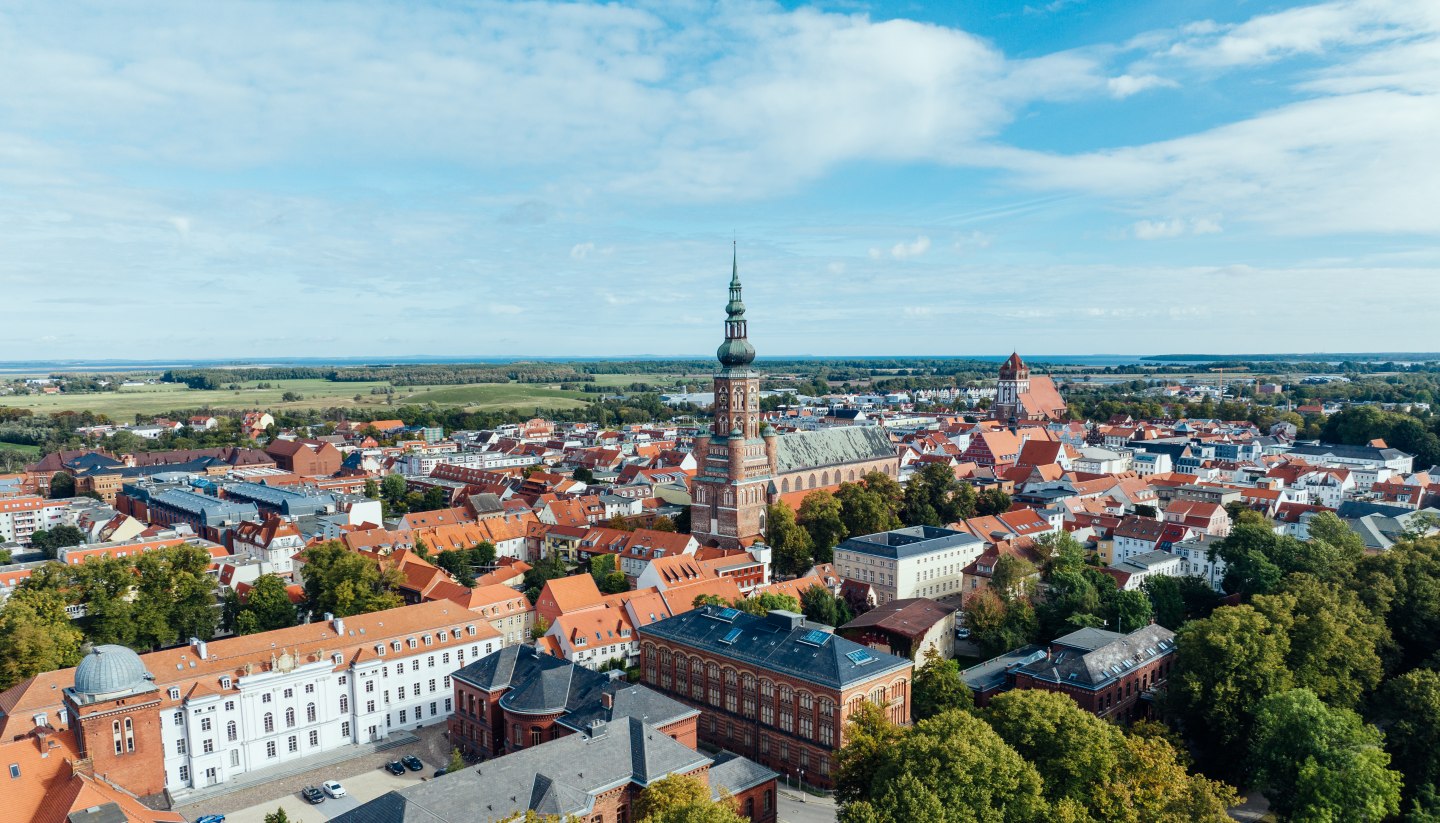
307	458
1109	674
777	689
518	698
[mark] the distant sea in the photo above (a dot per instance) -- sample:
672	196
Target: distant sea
1099	360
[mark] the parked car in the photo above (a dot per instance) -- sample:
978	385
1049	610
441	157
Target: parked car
395	767
412	763
333	788
312	795
211	818
441	772
962	633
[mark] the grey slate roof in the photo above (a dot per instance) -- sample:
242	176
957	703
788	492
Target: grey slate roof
911	541
799	451
1092	658
765	644
542	684
734	774
560	777
1350	452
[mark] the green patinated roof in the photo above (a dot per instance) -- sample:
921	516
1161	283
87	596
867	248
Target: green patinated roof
831	447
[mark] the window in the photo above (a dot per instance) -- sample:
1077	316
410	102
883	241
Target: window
14	770
344	704
310	713
535	735
207	746
179	718
430	662
446	681
204	724
370	686
289	693
314	738
229	705
269	722
270	748
343	678
174	693
401	693
129	736
265	698
369	706
432	684
402	715
235	758
434	709
415	665
345	729
309	688
225	682
294	743
289	718
184	774
231	732
447	704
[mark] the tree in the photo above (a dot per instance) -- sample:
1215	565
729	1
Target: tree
35	636
583	475
1333	638
372	489
1320	763
791	543
938	687
50	541
343	583
992	501
62	486
607	578
1152	785
868	736
393	487
277	816
820	605
1067	745
934	497
1225	665
766	602
955	766
539	629
663	524
456	762
266	608
820	516
1011	576
1128	610
1410	708
682	798
6	558
174	596
864	511
1176	600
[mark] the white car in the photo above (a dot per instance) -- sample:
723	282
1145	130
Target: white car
333	788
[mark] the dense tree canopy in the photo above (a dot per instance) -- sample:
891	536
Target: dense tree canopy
790	543
938	687
344	583
822	517
1318	763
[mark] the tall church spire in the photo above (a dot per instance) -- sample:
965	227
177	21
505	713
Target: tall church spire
736	350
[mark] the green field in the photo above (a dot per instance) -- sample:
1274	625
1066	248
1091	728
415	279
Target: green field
156	399
23	448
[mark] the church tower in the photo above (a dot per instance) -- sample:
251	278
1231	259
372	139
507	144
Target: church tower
1014	381
734	467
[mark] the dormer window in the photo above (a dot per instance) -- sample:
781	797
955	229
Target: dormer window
174	694
225	682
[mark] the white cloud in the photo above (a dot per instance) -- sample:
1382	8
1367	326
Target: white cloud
1128	84
580	251
973	240
1160	229
1310	29
914	248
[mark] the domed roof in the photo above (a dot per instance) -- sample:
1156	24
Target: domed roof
735	352
110	669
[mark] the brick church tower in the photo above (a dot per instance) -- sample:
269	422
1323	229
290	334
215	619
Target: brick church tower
1014	381
735	459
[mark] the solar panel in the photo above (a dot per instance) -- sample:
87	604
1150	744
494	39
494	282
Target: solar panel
727	615
860	657
815	637
731	636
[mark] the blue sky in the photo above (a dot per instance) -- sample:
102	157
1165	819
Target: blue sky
383	179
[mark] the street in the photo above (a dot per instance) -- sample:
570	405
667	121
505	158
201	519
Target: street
812	810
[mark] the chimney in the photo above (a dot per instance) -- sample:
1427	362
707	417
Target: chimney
199	646
337	622
607	700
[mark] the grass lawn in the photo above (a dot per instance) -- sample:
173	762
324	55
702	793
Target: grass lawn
151	400
23	448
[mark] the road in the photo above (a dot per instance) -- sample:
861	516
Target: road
812	810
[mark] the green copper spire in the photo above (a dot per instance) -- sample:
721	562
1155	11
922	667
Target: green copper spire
736	350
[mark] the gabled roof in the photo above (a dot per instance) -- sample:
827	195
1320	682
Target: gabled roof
801	451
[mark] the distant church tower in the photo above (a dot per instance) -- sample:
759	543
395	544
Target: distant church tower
735	458
1014	381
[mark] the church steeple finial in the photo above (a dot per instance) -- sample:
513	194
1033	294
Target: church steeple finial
736	350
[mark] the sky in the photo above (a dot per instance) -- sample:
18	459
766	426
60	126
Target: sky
953	177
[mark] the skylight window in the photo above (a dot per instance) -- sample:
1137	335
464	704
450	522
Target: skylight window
860	657
727	615
731	636
814	637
